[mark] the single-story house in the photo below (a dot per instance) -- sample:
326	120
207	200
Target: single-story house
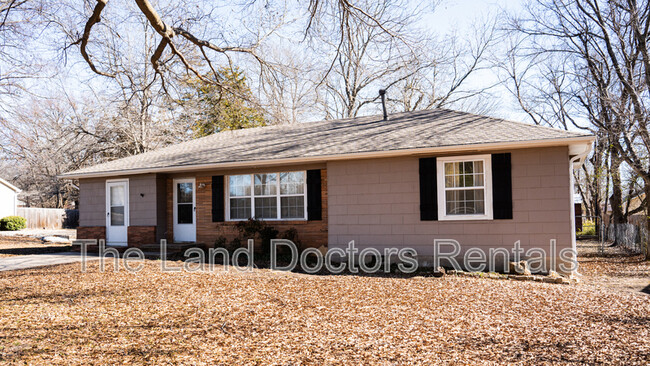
401	181
8	198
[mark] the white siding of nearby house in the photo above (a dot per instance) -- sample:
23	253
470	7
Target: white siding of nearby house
8	201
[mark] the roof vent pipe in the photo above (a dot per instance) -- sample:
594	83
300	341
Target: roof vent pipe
382	93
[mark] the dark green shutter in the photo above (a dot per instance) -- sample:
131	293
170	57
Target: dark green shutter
314	199
428	190
218	206
501	186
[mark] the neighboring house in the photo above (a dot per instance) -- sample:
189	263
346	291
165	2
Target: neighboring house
405	181
635	201
577	211
8	198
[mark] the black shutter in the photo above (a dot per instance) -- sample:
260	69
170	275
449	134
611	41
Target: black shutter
501	186
314	200
218	207
428	190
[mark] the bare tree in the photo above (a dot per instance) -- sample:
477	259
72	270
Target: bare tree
19	21
288	95
184	37
368	58
447	76
605	45
135	118
41	141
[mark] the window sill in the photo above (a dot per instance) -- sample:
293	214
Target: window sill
465	218
267	220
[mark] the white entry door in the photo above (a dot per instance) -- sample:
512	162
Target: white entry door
184	210
117	212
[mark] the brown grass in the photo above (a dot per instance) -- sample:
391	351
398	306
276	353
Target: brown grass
59	315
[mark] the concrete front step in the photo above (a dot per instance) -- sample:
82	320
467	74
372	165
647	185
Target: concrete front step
171	246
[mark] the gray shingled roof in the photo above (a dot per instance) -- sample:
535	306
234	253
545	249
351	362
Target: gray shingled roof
409	130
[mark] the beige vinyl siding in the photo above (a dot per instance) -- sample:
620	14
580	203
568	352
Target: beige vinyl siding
92	202
161	210
142	201
376	204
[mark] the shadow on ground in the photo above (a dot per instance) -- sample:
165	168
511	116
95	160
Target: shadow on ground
36	250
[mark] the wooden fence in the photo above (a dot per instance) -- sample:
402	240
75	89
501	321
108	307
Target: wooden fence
48	218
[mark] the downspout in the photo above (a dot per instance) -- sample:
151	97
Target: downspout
572	161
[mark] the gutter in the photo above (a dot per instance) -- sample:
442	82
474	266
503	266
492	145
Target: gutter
571	141
575	162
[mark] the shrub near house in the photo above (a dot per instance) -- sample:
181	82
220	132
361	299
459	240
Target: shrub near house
12	223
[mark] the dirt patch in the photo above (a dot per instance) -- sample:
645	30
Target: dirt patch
614	268
18	245
59	315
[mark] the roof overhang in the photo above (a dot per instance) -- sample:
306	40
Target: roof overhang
578	142
10	186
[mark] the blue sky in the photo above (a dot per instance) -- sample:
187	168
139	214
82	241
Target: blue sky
459	16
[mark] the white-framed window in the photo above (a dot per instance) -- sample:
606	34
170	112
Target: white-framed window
464	187
267	196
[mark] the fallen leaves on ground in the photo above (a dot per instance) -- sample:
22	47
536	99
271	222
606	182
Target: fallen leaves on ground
613	267
59	315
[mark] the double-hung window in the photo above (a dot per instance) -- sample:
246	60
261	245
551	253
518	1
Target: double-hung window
267	196
464	188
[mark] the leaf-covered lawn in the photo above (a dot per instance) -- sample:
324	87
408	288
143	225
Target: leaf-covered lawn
59	315
613	267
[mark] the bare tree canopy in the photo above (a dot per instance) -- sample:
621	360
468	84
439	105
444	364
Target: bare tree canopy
586	65
116	72
178	42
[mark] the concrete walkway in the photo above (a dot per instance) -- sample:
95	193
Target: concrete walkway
41	260
39	233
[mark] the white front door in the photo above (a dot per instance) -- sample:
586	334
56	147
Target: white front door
117	212
184	210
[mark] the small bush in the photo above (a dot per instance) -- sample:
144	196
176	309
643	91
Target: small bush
254	228
13	223
249	228
291	234
233	245
220	242
588	228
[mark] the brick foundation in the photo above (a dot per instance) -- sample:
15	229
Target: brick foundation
91	232
139	235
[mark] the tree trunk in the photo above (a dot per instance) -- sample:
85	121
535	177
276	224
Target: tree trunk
616	199
645	246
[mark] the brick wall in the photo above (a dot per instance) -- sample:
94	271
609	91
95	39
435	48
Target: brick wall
139	235
91	232
310	233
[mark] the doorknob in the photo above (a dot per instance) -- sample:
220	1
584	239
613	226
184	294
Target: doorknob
108	214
